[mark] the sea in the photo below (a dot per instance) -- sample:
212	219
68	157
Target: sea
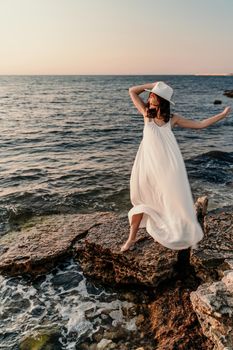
67	145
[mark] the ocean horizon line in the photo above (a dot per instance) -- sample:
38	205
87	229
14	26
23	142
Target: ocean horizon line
99	75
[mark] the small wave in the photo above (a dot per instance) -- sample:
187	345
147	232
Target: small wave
212	166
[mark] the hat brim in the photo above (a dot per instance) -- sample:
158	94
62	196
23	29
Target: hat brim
173	103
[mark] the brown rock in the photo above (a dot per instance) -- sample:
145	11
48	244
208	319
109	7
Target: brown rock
140	319
106	344
174	323
114	333
216	249
147	263
213	303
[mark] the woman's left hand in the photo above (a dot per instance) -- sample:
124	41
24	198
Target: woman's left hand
226	111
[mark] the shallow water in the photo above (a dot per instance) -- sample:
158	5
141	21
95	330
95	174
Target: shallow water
64	300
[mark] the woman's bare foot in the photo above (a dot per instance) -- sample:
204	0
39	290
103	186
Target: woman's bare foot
127	245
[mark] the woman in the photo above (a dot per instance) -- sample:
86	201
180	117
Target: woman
159	188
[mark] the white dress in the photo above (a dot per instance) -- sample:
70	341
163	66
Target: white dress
159	188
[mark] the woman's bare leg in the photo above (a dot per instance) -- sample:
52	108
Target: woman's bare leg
136	219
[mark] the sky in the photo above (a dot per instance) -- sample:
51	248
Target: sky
116	37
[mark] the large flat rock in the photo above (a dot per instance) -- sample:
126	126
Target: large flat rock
38	245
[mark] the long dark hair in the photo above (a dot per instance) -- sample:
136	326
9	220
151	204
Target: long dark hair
164	108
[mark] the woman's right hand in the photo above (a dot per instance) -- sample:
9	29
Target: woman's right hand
226	111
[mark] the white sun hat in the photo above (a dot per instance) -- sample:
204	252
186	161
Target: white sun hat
163	90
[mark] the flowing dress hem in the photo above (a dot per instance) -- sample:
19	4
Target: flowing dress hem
148	214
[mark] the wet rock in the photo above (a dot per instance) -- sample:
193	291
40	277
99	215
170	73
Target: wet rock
106	344
98	335
116	333
217	102
215	251
66	280
37	247
38	311
140	319
129	296
213	303
48	340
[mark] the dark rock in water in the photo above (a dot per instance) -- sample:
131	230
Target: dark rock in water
66	280
217	102
228	93
218	155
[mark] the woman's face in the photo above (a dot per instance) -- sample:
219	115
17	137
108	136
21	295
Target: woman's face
153	100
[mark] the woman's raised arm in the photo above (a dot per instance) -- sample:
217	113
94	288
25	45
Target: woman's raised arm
194	124
134	92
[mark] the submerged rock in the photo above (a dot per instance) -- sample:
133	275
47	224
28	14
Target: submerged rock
213	303
44	339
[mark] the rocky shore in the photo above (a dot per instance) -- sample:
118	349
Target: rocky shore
184	299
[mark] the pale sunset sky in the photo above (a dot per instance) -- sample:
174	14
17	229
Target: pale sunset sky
116	36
